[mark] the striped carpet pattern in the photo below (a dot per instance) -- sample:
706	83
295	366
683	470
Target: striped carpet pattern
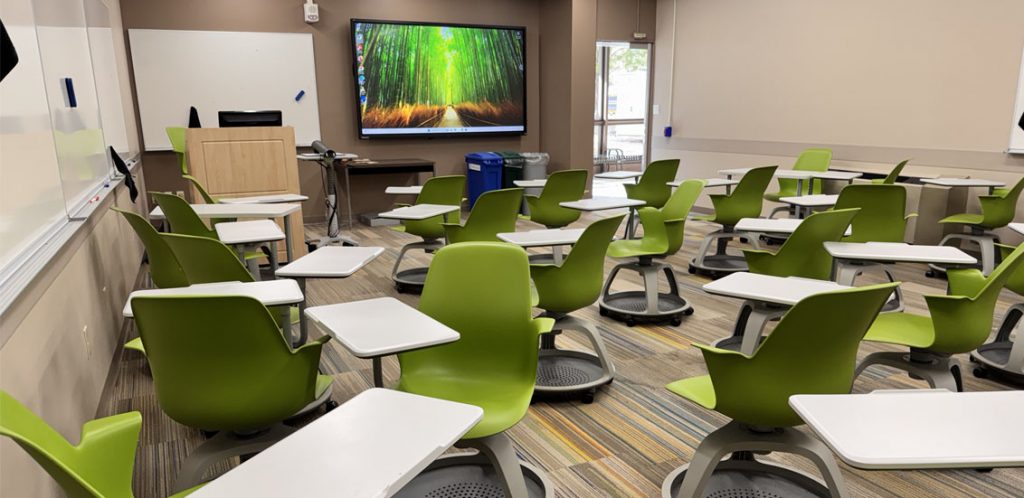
630	438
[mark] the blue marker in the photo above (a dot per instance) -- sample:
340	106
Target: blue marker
299	96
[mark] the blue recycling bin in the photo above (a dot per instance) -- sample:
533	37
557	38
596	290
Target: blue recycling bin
483	173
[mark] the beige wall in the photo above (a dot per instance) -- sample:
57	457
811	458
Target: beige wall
875	80
617	20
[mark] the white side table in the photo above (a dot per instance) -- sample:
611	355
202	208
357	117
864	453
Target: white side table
250	235
555	238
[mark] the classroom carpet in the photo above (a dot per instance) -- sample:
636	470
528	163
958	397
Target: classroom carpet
631	437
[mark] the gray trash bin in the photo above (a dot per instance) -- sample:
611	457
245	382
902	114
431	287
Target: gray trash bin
536	168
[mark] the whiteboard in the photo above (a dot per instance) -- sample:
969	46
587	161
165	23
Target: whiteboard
222	71
1017	131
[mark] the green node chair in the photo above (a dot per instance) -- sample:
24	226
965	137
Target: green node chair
803	253
653	188
1003	357
184	220
997	211
444	190
808	160
494	212
797	358
744	202
561	290
882	218
663	236
562	186
219	363
481	290
893	175
164	269
176	135
207	198
100	466
958	323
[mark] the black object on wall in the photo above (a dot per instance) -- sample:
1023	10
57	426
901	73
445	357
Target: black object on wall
8	56
193	118
121	167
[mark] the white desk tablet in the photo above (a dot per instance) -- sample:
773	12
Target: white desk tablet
809	201
236	210
898	252
543	238
248	232
419	212
772	225
369	447
330	262
729	173
270	292
1017	227
264	199
836	175
618	175
379	327
601	203
410	190
531	183
769	289
962	182
709	182
919	429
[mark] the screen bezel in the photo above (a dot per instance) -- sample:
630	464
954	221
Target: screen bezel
355	82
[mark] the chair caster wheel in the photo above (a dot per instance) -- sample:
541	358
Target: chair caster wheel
588	397
930	273
980	373
330	405
692	269
208	434
602	312
688	312
677	321
630	322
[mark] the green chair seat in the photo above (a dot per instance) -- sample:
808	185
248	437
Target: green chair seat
135	345
207	198
494	212
893	175
502	410
803	253
698	389
905	329
964	218
653	186
655	244
176	135
882	216
809	160
775	196
745	199
443	190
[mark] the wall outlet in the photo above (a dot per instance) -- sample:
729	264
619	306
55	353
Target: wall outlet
655	109
639	36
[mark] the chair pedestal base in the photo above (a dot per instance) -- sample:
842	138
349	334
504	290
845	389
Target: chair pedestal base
648	305
222	446
720	263
845	272
940	371
743	476
1003	358
986	241
480	475
750	322
564	372
411	280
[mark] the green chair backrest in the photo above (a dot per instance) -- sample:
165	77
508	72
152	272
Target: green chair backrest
999	208
882	216
745	201
893	175
444	190
676	210
1016	280
494	212
207	198
562	186
100	466
220	362
577	282
963	322
182	218
808	160
164	267
206	260
176	135
653	186
482	291
803	254
813	350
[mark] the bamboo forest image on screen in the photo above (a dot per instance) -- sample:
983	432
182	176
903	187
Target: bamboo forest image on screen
430	79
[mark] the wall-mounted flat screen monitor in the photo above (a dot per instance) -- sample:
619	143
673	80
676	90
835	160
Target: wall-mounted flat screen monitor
232	119
431	79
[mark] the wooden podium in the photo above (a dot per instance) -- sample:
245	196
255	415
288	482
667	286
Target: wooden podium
242	162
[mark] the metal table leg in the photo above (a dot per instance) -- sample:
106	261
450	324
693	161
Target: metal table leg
378	372
286	325
273	259
303	323
288	237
